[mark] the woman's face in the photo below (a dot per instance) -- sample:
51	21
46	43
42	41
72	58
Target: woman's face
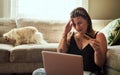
80	24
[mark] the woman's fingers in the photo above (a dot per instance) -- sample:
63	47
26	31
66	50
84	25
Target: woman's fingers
68	27
95	44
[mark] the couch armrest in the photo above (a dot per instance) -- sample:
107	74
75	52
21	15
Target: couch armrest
113	57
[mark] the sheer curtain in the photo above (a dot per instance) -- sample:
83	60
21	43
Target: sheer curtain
45	9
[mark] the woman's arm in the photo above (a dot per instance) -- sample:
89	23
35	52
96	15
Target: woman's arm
63	44
100	48
64	41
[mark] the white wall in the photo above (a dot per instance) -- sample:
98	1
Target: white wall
104	9
1	8
5	8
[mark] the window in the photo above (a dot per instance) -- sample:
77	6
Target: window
44	9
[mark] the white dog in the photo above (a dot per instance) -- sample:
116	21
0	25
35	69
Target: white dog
25	35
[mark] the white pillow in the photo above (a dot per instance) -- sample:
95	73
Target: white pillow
112	31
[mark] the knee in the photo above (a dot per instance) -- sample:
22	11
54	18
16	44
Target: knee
36	72
39	71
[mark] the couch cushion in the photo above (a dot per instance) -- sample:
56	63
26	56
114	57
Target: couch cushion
111	71
30	53
5	53
52	30
19	68
113	57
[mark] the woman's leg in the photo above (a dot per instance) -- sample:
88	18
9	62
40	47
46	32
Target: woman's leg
40	71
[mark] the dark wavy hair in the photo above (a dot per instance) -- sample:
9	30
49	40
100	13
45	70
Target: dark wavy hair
81	12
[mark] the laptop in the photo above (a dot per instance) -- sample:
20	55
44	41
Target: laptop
62	64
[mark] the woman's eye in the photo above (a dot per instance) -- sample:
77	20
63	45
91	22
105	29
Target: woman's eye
79	23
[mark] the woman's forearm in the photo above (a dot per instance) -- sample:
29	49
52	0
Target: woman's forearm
99	58
63	44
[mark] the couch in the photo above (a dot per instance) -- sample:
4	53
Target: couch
26	58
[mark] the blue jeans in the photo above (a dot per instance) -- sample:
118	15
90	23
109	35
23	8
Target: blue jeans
40	71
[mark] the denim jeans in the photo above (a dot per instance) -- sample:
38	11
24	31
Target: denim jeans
41	71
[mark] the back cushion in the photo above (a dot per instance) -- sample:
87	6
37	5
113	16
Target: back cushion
99	24
6	25
52	30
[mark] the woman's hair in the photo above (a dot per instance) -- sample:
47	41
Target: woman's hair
81	12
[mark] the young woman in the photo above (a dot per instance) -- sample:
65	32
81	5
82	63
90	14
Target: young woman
93	47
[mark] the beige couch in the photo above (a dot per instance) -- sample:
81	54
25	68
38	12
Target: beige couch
26	58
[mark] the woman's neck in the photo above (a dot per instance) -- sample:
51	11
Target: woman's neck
79	34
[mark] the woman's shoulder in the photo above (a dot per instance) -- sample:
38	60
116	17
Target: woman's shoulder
100	35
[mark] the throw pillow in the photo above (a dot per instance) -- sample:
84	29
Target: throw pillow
112	31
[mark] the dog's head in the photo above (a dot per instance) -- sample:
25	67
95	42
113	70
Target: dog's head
8	36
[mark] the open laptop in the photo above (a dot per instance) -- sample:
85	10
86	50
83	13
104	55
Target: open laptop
62	64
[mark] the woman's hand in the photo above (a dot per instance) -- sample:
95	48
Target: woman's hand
68	27
95	44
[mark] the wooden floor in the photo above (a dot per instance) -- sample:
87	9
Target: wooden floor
16	74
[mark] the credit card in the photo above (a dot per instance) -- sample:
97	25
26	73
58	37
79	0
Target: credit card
88	36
